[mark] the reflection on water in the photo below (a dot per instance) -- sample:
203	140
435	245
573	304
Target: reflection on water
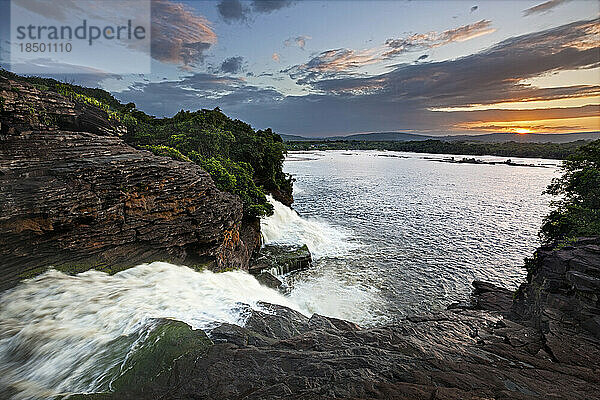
421	230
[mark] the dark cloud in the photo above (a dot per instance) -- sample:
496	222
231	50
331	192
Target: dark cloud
201	90
404	98
267	6
492	75
235	10
232	10
544	7
232	65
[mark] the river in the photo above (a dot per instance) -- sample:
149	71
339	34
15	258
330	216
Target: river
391	234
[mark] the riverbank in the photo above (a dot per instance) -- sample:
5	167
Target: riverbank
494	348
556	151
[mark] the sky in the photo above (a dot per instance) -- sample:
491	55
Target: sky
325	68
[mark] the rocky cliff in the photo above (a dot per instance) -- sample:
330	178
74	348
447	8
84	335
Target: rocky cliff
482	351
75	196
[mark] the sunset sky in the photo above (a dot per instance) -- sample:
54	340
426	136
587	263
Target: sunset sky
319	68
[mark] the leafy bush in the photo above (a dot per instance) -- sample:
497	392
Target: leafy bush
577	211
239	159
166	151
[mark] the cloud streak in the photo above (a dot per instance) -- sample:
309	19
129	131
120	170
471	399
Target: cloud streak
179	36
544	7
422	41
332	63
299	41
343	61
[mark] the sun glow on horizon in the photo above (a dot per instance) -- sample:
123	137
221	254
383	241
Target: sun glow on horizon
522	131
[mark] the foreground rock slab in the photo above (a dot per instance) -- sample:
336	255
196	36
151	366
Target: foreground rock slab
535	347
460	354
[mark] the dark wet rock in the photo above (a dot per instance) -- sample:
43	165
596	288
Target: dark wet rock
491	297
454	354
465	354
282	196
277	322
75	196
267	279
239	336
281	259
562	289
486	296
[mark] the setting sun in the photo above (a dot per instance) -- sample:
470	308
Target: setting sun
522	131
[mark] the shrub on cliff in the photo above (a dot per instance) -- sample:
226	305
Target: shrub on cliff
577	211
240	160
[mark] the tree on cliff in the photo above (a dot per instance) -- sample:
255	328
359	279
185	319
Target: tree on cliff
241	160
577	210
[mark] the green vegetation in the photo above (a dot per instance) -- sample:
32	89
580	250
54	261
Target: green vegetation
507	149
239	159
153	358
577	210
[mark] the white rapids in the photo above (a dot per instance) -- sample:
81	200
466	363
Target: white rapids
68	334
285	226
58	332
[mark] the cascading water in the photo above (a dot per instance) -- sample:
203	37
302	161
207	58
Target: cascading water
64	334
61	333
285	226
321	290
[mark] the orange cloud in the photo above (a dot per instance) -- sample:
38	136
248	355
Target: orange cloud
178	35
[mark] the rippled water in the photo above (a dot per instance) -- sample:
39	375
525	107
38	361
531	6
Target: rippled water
418	231
391	234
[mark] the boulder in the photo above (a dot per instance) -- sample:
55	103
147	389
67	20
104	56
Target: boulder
281	259
267	279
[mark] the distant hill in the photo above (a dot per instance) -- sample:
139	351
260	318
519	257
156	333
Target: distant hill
296	138
384	136
487	138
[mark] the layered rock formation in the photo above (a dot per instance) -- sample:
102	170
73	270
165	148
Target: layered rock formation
485	352
73	195
561	300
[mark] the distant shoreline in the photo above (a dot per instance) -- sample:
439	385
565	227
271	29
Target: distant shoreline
555	151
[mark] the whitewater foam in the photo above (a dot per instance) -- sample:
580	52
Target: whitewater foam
327	288
61	333
285	226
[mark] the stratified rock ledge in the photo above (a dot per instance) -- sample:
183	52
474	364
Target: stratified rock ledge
455	354
75	196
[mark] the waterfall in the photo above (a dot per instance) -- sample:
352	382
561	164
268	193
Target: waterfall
285	226
61	333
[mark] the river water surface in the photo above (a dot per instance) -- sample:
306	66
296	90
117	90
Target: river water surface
401	233
391	234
